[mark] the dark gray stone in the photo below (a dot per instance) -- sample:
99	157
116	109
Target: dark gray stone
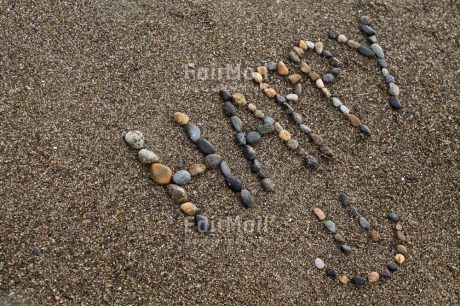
336	71
237	123
205	147
225	169
345	248
246	198
326	54
344	199
367	29
256	166
280	99
271	66
331	273
265	128
366	52
395	103
253	137
377	50
393	267
358	280
393	217
193	132
353	211
212	160
311	161
333	34
249	152
364	20
267	185
36	251
372	39
382	63
364	223
365	129
233	183
385	273
229	109
202	223
390	79
226	95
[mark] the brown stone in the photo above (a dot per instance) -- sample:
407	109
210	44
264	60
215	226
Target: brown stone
373	277
257	77
189	208
401	249
326	92
303	45
160	174
285	135
304	67
400	236
259	114
399	258
299	51
313	76
319	214
354	120
177	194
375	236
316	139
239	99
270	92
344	279
282	69
398	227
181	118
197	169
353	44
262	70
294	78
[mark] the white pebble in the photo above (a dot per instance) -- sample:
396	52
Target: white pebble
135	139
385	72
342	38
292	97
310	44
336	102
147	157
319	263
344	109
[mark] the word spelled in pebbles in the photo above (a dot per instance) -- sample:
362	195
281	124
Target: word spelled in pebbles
193	132
319	263
160	174
147	157
202	223
177	194
135	139
246	198
182	177
205	147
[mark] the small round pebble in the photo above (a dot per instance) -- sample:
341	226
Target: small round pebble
236	123
202	223
373	277
182	177
319	263
266	128
392	267
345	248
36	251
253	137
344	279
333	34
256	166
181	118
390	79
336	102
328	78
246	198
177	194
204	146
239	99
280	99
267	185
344	199
358	280
271	66
399	258
226	95
225	169
366	51
197	169
193	132
401	249
336	71
160	174
249	152
311	161
293	144
147	157
189	208
305	128
229	109
364	223
233	183
393	217
385	72
135	139
395	103
319	213
292	97
342	39
330	226
394	89
331	273
241	138
344	109
385	273
375	236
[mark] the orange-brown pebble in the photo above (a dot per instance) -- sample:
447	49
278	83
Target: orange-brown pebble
262	70
344	279
282	69
160	174
400	236
319	83
319	214
304	67
294	78
257	77
398	227
239	99
270	92
373	277
181	118
197	169
189	208
259	114
399	258
401	249
285	135
299	51
313	76
303	45
375	236
354	120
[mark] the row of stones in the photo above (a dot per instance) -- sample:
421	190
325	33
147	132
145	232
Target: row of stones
375	236
270	125
375	50
162	175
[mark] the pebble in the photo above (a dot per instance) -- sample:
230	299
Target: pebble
342	39
285	135
372	39
311	161
353	211
354	120
36	251
310	44
373	277
194	132
239	99
304	67
241	138
253	137
377	50
280	99
292	97
344	279
257	77
225	169
392	267
398	227
289	108
181	118
385	72
252	107
319	47
197	169
328	78
135	139
331	273
326	54
366	51
353	44
177	194
271	66
401	249
333	34
293	144
327	151
189	208
305	128
246	198
393	217
294	78
382	63
298	89
365	129
344	199
390	79
267	185
330	226
316	139
233	183
249	152
319	83
313	76
259	114
182	177
205	147
336	102
385	273
301	151
212	160
358	280
147	157
394	89
261	175
282	69
400	236
256	166
364	223
278	127
326	92
345	248
262	70
229	109
265	128
368	30
319	263
294	57
202	223
297	117
364	20
270	92
375	236
336	71
399	258
319	213
299	51
344	109
160	174
226	95
237	123
303	45
263	86
339	238
269	120
335	62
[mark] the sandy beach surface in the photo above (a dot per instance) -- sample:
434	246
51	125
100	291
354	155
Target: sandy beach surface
77	75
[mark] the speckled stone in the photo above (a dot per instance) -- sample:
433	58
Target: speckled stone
202	223
319	263
249	152
160	174
225	169
236	123
212	160
328	78
310	44
265	128
233	183
319	213
285	135
239	99
292	97
377	50
330	226
189	208
311	162
393	89
297	117
319	47
271	66
366	51
204	146
294	78
147	157
373	277
197	169
193	132
385	72
367	30
135	139
282	69
181	118
229	109
333	34
306	129
253	137
246	198
336	102
241	138
358	280
293	144
267	185
226	95
182	177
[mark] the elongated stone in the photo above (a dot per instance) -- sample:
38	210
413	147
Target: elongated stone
319	213
233	183
204	146
364	223
193	132
246	198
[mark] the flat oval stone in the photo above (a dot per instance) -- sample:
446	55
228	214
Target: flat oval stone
303	45
257	77
345	248
328	78
331	273
394	102
294	57
212	160
319	83
311	161
354	120
280	99
181	118
135	139
393	217
205	147
364	20
233	183
246	198
271	66
389	79
292	97
253	137
319	263
266	128
147	157
382	63
372	39
202	223
344	199
365	129
305	128
333	34
259	114
399	258
241	138
249	152
330	226
285	135
229	109
256	166
225	169
267	185
375	236
319	213
36	251
297	117
401	249
335	62
226	95
366	51
193	132
393	267
177	194
394	89
385	72
298	89
367	29
197	169
182	177
239	99
293	144
344	109
336	102
373	277
189	208
364	223
339	238
358	280
269	120
353	44
377	50
160	174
